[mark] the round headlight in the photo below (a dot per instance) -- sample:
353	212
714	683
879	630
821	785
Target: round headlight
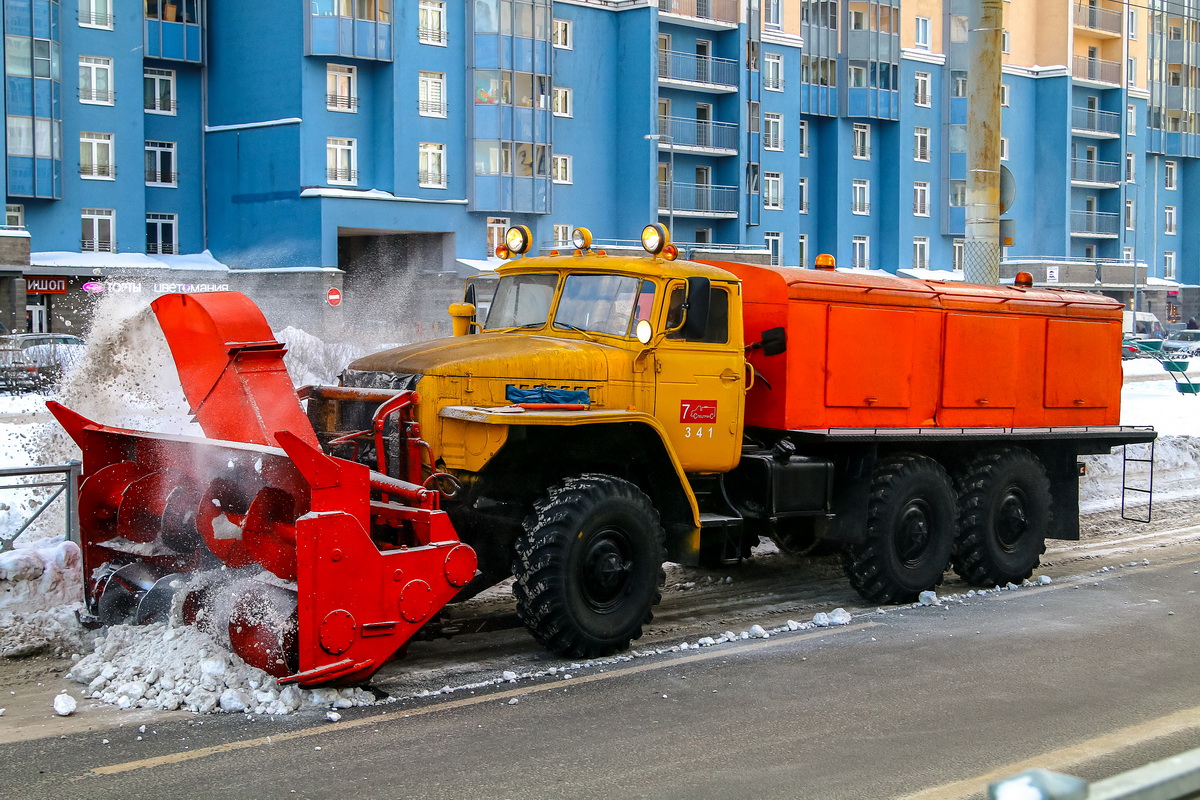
518	238
581	238
655	238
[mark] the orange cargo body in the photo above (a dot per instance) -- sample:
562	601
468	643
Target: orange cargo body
877	351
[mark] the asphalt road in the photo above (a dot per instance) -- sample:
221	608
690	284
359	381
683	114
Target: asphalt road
1091	676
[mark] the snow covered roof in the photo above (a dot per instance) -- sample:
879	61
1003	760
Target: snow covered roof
188	261
475	265
931	274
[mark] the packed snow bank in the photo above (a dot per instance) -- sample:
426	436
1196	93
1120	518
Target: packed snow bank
180	667
40	578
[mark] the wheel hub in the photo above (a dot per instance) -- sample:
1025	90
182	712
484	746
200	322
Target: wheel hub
1011	520
913	533
606	566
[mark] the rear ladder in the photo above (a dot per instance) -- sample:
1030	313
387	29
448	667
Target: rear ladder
1128	508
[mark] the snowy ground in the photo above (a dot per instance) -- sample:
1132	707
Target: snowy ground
128	379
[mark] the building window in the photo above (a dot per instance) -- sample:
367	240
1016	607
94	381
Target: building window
920	144
858	77
1005	95
774	241
754	116
773	14
431	100
1169	168
562	102
96	156
162	233
1127	254
921	199
1169	219
158	91
341	88
562	34
860	252
561	235
860	196
921	94
958	192
1130	168
704	236
956	259
561	169
772	75
803	192
1169	265
97	233
802	260
1005	41
432	166
14	216
341	161
496	226
802	150
958	83
1130	120
1131	71
1130	219
160	164
1133	20
772	190
186	11
95	81
95	14
920	252
1004	148
921	36
431	22
773	131
862	141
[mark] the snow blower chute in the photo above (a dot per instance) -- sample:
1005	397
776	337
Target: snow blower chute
314	568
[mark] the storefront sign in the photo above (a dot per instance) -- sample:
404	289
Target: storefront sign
45	285
132	287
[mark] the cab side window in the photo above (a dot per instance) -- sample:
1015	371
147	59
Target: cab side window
717	331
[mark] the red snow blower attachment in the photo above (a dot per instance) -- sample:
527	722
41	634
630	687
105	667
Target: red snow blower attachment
313	568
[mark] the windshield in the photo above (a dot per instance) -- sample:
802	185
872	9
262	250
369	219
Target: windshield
1186	336
521	301
604	303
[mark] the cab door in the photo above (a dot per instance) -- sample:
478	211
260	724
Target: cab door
701	383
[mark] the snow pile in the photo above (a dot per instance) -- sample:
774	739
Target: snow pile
170	668
64	705
39	594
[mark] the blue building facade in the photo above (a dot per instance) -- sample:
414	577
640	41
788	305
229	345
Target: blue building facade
377	142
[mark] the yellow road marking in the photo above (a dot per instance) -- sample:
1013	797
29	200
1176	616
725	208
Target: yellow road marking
491	697
1064	758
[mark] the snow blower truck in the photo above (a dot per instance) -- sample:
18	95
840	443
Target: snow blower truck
609	413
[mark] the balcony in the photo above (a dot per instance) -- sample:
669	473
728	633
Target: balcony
1098	21
156	177
97	96
1094	224
1095	173
712	14
698	136
342	176
107	171
1096	69
697	200
163	248
1095	123
694	71
341	102
97	246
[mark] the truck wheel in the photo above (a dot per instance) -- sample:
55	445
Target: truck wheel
589	566
910	531
1004	515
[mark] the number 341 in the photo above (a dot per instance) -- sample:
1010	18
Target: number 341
698	432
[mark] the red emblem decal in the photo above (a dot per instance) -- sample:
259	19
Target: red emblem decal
693	411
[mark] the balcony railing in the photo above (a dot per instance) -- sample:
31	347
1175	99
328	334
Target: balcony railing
859	151
98	170
96	245
431	109
859	208
166	248
698	198
1094	223
699	133
1084	170
1096	69
160	104
772	141
716	10
97	96
432	180
161	177
773	82
1098	19
674	65
341	101
920	152
96	20
341	175
1095	121
920	208
431	35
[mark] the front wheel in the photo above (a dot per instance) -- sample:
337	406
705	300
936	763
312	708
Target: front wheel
588	567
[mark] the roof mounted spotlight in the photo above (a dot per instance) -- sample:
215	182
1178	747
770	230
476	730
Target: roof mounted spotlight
581	238
825	261
1023	280
502	251
519	239
670	252
655	238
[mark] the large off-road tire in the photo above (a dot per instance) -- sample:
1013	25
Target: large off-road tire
910	531
589	566
1004	515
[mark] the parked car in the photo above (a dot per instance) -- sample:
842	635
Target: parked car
1181	342
50	354
17	373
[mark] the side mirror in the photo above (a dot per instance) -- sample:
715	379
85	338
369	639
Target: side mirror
461	316
695	324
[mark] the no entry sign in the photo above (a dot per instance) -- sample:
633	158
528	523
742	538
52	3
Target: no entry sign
334	296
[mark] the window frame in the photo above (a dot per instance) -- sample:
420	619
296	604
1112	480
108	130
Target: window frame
434	35
774	83
93	16
96	142
96	215
1169	264
922	133
860	148
159	147
568	96
157	220
337	144
335	75
1170	221
567	26
920	252
802	191
772	190
860	243
802	149
157	76
427	178
1170	175
566	161
860	197
920	198
94	66
427	81
922	33
772	140
922	92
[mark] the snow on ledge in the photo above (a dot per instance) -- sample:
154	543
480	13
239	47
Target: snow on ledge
191	261
270	123
931	274
373	194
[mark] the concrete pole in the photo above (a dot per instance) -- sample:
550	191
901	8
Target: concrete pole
981	251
